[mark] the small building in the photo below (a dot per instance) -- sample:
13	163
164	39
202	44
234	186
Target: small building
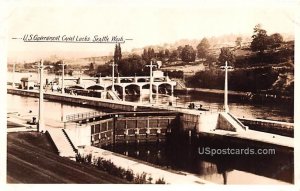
158	74
28	83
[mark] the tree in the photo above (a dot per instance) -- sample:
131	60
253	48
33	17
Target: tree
179	50
260	39
210	60
167	54
160	54
226	55
131	65
202	48
151	53
238	42
275	40
91	67
117	55
174	55
188	54
145	56
104	70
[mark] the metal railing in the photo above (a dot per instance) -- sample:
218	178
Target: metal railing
82	116
88	115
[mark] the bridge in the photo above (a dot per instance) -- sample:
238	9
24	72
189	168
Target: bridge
124	85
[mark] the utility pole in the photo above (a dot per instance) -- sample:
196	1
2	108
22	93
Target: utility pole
41	125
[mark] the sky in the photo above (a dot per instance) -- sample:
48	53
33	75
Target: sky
145	22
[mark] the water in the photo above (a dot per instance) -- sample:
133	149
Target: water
278	112
52	110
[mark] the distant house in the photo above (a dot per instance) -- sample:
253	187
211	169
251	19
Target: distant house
27	83
158	74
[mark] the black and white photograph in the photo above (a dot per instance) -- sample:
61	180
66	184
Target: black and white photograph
149	92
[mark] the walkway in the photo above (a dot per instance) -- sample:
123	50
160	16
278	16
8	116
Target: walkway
242	131
61	142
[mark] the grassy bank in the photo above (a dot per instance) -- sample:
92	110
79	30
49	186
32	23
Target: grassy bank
32	159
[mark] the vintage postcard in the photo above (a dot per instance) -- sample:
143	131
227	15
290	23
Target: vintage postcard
149	92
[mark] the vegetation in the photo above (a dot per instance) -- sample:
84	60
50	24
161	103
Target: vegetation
188	54
249	80
117	56
261	41
203	48
226	55
238	42
111	168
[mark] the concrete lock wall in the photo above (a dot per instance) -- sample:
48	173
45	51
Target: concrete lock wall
130	129
76	99
281	128
224	124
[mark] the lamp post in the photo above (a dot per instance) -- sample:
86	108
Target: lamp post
41	125
151	78
13	75
226	67
113	76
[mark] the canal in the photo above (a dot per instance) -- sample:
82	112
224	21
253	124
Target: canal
266	169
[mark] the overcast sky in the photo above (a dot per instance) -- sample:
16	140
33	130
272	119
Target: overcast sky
146	23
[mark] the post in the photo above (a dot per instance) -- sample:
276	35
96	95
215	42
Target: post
41	126
172	93
13	76
118	79
99	79
135	79
63	81
156	98
123	93
150	88
226	89
113	76
62	112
